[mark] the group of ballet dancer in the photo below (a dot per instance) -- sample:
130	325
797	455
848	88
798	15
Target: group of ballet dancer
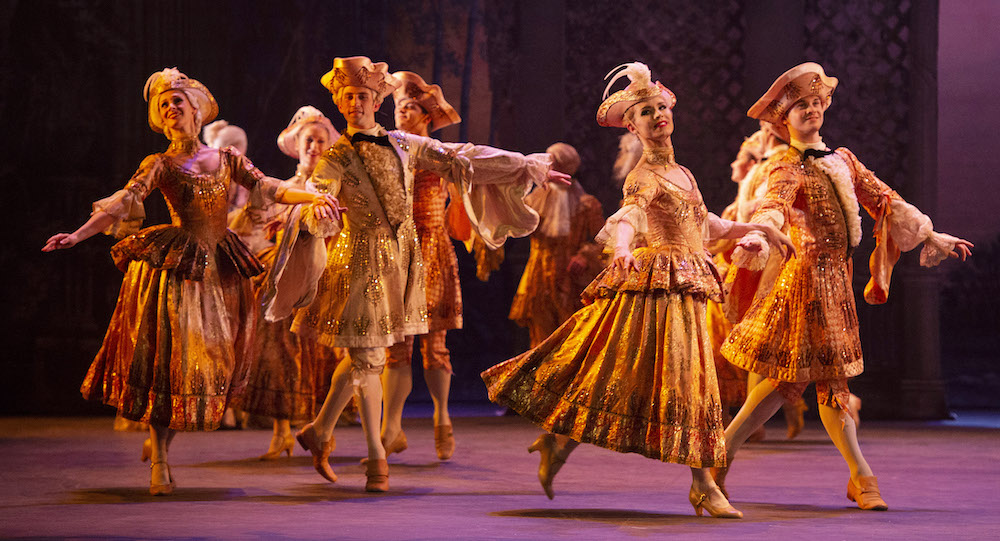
258	289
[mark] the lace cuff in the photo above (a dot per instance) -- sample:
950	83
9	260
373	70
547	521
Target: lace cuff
630	214
749	260
907	225
319	227
936	248
126	207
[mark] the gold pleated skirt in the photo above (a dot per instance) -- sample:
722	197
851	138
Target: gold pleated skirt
176	351
632	372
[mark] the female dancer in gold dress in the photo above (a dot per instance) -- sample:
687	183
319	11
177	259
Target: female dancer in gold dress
283	378
176	350
633	370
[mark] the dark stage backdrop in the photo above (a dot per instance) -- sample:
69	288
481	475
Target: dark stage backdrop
522	74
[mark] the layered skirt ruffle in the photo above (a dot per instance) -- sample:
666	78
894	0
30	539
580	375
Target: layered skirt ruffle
670	269
170	247
177	349
632	372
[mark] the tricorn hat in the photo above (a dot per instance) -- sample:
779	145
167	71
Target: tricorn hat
430	97
803	80
360	71
641	87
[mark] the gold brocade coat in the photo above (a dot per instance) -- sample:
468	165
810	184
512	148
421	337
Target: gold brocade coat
633	370
806	327
178	345
372	291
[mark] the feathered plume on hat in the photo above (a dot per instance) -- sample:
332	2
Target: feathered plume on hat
641	87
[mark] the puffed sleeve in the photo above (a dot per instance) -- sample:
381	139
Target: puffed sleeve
491	181
638	190
125	205
907	225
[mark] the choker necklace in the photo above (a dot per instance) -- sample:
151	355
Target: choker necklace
184	146
659	155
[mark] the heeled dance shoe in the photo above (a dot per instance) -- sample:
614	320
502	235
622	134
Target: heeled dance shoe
699	500
279	444
866	494
320	451
444	441
549	462
377	474
398	445
157	489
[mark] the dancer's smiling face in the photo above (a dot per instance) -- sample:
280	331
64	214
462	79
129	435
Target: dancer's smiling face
651	119
358	106
312	142
177	112
805	117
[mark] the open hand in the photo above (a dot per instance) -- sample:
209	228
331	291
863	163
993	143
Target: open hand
963	249
624	260
59	241
779	239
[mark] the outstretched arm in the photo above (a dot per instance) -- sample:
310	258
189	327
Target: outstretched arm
100	221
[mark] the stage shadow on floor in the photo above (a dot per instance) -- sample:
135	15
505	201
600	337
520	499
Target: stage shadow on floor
752	513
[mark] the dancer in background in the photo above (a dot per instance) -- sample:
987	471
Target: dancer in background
564	257
749	171
420	109
371	295
222	134
177	348
632	371
282	379
802	327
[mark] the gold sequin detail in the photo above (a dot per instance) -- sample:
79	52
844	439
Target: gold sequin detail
361	325
374	290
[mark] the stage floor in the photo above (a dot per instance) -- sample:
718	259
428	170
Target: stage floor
77	478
